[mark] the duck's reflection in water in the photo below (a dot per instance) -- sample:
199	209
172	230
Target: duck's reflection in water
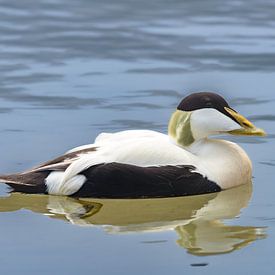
198	220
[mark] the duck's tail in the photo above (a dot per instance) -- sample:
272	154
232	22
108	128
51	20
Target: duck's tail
26	182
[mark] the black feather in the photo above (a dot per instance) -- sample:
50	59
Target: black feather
31	183
117	180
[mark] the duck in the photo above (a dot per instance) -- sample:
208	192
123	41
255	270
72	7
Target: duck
149	164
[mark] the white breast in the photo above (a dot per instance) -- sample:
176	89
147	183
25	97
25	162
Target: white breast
226	162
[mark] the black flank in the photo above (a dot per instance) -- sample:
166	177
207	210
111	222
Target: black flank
116	180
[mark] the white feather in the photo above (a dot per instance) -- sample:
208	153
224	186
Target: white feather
206	122
82	147
142	148
55	185
211	158
104	138
80	165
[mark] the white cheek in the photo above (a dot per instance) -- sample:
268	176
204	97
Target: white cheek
206	122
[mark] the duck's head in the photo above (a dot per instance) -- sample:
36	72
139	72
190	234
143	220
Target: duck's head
200	115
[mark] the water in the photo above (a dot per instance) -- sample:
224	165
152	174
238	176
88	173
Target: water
69	70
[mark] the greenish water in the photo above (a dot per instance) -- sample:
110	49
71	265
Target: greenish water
70	70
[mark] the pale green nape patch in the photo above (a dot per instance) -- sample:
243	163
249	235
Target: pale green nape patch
180	128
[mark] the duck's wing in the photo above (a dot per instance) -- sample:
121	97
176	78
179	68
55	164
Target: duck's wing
61	163
142	165
33	180
119	137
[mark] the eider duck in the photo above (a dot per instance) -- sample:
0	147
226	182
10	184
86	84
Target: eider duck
147	164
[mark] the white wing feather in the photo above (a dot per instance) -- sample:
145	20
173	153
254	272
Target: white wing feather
137	147
55	186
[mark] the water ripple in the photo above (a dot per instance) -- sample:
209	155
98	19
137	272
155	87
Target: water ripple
153	32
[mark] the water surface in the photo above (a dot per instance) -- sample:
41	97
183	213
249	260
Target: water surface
70	70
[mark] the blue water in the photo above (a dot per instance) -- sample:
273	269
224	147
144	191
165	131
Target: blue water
72	69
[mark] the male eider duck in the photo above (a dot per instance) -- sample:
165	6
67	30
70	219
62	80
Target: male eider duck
147	164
